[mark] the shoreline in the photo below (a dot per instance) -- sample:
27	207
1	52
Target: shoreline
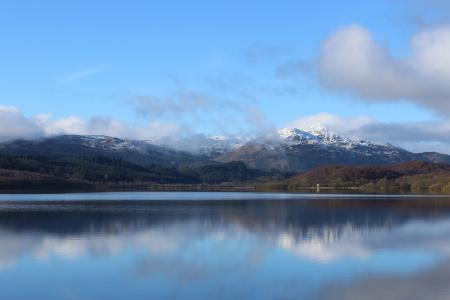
225	189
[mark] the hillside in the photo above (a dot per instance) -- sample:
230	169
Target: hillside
316	156
411	176
93	172
287	150
298	151
137	152
105	173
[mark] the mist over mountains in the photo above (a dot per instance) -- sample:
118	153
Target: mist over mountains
287	150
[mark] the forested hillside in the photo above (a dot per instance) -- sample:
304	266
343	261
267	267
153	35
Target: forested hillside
34	172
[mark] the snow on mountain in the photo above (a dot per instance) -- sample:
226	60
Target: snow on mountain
112	143
288	149
323	136
218	145
296	149
297	136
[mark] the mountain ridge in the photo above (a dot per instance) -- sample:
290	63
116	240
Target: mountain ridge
299	150
288	149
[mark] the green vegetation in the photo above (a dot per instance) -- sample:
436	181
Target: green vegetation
99	172
106	173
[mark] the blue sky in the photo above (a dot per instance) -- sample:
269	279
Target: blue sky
93	59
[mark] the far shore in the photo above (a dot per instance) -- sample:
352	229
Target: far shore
219	188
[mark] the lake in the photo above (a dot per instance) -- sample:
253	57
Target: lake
194	245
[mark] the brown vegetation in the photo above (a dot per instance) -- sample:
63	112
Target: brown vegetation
412	177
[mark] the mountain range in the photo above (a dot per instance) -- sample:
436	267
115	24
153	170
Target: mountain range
287	150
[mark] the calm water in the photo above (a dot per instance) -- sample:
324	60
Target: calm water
226	246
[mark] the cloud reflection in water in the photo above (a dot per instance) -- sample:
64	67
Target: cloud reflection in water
264	249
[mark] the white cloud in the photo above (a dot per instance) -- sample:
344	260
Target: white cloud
352	61
414	136
332	122
186	114
14	124
69	125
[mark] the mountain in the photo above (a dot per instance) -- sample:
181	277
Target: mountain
298	150
138	152
287	150
209	146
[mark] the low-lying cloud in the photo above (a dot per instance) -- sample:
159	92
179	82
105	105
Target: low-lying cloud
186	117
15	125
414	136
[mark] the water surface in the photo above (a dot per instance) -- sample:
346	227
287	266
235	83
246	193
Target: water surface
225	246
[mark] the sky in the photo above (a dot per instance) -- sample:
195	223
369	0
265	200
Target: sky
149	69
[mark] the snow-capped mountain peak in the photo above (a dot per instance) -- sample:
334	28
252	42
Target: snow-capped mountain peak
296	135
289	149
321	135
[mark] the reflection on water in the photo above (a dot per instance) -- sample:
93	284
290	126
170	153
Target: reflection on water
263	249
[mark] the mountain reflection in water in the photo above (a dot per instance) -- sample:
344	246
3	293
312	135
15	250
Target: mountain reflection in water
281	249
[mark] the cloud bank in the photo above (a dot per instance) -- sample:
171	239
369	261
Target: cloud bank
186	114
414	136
15	125
352	61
